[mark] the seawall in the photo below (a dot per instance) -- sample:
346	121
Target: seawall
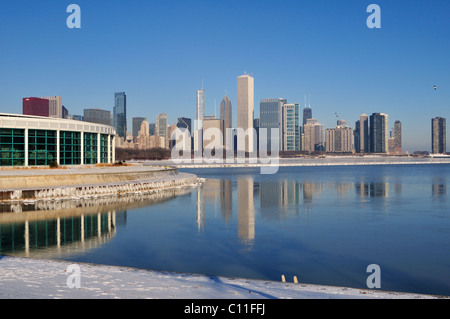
87	182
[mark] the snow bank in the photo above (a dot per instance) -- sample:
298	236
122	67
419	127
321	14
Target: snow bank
23	278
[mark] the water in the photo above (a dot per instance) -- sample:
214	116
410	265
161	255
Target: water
324	225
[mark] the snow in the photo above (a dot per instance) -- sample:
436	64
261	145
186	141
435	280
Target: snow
25	278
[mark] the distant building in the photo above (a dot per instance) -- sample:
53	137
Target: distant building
210	122
307	115
270	117
185	123
339	139
36	106
65	112
314	136
245	109
55	106
290	127
363	134
379	133
200	108
397	136
161	129
120	114
226	118
97	116
136	123
438	136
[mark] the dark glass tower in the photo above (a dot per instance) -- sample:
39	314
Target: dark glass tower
379	133
120	114
438	135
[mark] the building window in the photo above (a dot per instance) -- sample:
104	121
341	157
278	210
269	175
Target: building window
41	147
12	147
90	148
103	148
70	148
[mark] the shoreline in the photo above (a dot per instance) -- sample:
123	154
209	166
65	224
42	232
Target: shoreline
300	162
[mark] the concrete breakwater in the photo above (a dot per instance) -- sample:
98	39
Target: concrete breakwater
42	185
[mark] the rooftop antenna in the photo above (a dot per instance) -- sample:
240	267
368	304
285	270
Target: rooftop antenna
215	114
309	100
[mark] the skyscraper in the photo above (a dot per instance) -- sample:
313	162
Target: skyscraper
290	127
55	106
270	111
307	113
226	118
245	108
438	136
120	114
200	108
97	116
363	133
137	122
185	123
339	139
314	138
161	128
397	137
35	106
379	133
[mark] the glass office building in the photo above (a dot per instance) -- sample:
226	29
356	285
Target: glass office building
120	113
40	141
290	127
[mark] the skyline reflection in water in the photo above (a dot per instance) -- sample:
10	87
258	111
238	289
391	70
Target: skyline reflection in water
322	224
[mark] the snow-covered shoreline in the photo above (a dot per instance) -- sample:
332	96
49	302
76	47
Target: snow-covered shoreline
25	278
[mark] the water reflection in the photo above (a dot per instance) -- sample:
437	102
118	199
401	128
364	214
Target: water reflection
278	199
52	229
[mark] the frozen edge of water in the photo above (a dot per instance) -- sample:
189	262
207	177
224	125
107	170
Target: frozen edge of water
47	279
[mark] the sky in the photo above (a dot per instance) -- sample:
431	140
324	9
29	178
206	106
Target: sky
160	53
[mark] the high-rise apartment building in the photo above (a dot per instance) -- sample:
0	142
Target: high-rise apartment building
245	108
379	133
270	113
363	133
35	106
397	135
120	114
438	135
339	139
97	116
290	127
314	138
227	119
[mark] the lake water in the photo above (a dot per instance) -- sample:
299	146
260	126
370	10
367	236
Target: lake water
324	225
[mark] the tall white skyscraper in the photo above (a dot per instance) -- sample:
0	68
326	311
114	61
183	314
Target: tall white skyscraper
245	108
200	108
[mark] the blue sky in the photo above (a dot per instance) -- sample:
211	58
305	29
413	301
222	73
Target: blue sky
159	52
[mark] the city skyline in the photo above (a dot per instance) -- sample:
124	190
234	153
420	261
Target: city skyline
345	67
